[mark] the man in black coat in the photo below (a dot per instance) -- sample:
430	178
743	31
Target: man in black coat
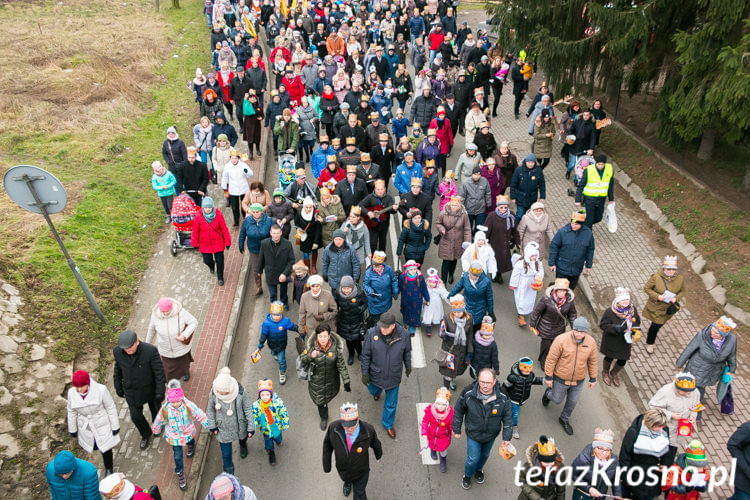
381	64
192	175
453	113
486	412
350	440
277	258
739	447
352	190
520	86
238	87
257	80
353	129
353	96
139	378
416	199
382	154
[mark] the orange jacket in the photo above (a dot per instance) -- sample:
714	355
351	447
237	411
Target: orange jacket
568	360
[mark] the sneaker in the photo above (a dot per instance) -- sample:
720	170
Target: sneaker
566	426
221	282
545	399
191	448
516	435
479	476
168	219
466	482
182	480
347	489
282	378
145	441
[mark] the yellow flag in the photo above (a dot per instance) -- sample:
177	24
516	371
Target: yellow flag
284	10
250	27
294	5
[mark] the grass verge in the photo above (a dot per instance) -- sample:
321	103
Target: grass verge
720	233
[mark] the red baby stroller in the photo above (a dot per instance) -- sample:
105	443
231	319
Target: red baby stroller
183	213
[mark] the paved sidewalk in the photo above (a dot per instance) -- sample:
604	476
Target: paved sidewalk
626	258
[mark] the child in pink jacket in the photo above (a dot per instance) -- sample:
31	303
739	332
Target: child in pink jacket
447	188
437	425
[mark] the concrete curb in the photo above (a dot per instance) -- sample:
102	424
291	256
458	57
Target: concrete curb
204	439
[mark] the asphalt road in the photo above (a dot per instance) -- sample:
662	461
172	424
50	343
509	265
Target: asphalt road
401	472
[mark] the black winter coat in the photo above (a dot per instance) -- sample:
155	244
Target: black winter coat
352	313
238	87
139	378
483	421
383	160
549	319
462	353
485	357
585	132
527	185
343	190
351	465
486	144
519	84
423	110
192	176
357	132
586	460
420	201
276	259
174	153
739	447
414	241
613	335
328	370
518	386
257	80
629	459
464	92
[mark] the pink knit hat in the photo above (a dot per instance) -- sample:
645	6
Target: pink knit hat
165	304
222	486
175	395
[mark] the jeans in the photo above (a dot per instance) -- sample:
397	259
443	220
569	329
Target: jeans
207	155
519	213
476	456
433	53
559	391
283	294
516	410
281	358
739	494
476	220
268	441
166	202
178	464
389	406
226	455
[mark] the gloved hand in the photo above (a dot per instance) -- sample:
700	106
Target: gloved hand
242	249
228	247
73	434
365	379
260	346
325	278
347	387
408	371
115	432
726	378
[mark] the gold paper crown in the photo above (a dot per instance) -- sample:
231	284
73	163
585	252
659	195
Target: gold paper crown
416	181
323	138
352	115
429	163
374	115
685	381
578	216
378	257
355	210
351	141
244	157
502	200
725	324
455	199
546	446
449	174
332	158
488	328
604	435
274	93
351	169
431	131
325	192
670	262
364	157
277	307
444	394
457	301
365	98
383	137
234	152
349	411
336	141
265	385
379	183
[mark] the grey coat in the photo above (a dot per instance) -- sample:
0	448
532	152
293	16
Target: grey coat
476	195
339	262
307	128
383	361
231	427
704	362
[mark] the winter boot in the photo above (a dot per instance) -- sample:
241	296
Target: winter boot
258	284
259	153
606	365
282	377
615	374
428	330
516	435
433	454
182	480
271	457
350	359
443	465
521	320
314	264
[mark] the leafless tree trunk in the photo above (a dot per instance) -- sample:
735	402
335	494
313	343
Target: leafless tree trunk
746	180
706	149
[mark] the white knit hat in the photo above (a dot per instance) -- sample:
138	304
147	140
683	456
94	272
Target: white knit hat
621	294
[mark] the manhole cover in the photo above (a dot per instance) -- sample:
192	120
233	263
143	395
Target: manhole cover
520	146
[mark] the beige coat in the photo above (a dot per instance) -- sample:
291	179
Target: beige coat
569	361
324	306
531	230
667	399
655	310
166	328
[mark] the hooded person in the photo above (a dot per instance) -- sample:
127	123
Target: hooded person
228	487
550	314
518	387
437	426
689	475
230	417
541	457
480	250
71	477
171	329
526	280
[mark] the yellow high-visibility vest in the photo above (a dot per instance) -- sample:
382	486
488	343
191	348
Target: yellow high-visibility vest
596	185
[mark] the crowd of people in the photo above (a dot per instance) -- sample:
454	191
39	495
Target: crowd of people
342	99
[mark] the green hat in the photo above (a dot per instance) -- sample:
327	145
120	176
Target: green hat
256	207
222	137
278	192
695	454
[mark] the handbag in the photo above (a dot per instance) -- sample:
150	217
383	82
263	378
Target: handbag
727	404
672	308
304	371
441	358
188	339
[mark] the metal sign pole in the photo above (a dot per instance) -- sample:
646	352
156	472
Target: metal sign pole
76	272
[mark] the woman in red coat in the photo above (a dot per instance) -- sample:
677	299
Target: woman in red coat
211	237
444	135
294	86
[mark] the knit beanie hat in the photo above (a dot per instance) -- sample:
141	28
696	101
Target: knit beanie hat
581	324
165	304
346	281
81	378
224	382
695	454
222	486
116	487
601	158
338	233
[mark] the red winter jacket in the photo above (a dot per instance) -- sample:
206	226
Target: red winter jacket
444	135
295	88
225	85
436	38
438	433
210	238
284	53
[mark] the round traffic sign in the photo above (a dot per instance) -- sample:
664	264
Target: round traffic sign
18	183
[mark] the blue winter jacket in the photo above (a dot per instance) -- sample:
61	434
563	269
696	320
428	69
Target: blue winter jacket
82	485
255	232
570	250
402	182
380	289
319	160
399	127
416	26
527	185
479	301
276	333
380	101
392	63
225	128
430	185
